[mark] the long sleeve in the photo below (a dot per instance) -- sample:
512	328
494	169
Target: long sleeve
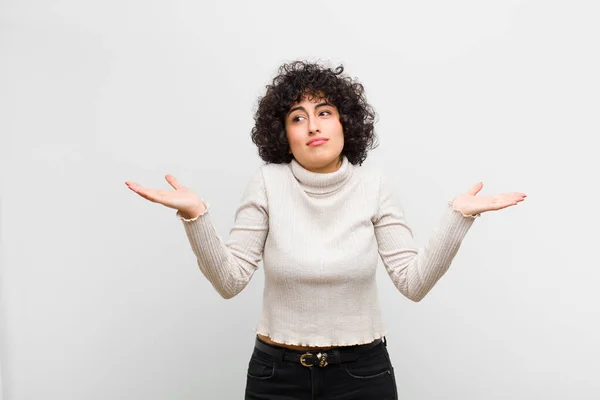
229	265
415	271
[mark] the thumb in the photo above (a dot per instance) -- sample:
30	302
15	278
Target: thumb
476	188
173	182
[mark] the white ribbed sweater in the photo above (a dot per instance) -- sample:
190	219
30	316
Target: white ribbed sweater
319	236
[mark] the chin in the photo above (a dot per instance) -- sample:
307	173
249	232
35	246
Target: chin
319	161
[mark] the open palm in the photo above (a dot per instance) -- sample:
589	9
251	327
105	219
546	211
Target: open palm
182	198
470	204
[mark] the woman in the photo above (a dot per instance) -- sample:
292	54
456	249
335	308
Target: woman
319	221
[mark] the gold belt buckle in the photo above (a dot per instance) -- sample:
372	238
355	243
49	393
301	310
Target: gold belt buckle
321	356
303	361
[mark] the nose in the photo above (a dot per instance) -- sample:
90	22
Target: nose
312	125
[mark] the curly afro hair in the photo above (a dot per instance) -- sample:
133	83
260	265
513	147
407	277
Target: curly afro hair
300	79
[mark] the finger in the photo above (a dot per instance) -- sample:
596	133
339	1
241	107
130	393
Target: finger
476	188
133	186
518	197
173	182
513	199
148	194
514	196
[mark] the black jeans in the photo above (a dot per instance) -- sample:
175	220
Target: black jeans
272	377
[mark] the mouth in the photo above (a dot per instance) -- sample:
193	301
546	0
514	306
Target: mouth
317	141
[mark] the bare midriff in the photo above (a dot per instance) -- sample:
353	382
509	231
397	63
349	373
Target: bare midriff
267	339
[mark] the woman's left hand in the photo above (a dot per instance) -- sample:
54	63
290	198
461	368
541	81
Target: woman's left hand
470	204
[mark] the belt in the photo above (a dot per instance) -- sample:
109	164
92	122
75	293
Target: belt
320	358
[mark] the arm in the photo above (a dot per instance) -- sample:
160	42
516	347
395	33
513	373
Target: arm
415	271
229	265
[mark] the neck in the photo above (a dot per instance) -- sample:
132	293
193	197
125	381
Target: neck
331	167
322	183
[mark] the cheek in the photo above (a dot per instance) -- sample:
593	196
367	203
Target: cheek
293	137
336	126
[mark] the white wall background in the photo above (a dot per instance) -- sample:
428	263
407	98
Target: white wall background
100	296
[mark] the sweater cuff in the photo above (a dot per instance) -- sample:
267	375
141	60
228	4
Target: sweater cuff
458	223
181	217
451	203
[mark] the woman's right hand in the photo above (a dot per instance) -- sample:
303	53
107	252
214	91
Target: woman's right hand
181	199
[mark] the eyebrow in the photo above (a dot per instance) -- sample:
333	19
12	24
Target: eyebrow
303	109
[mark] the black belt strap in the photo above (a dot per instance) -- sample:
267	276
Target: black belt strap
317	357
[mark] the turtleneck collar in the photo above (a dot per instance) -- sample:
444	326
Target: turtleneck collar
322	183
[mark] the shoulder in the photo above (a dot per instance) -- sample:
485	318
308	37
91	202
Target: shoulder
369	176
265	176
271	172
383	184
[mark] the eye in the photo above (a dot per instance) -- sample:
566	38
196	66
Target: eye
297	118
325	112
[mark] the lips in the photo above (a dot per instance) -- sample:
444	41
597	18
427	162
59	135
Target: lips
316	141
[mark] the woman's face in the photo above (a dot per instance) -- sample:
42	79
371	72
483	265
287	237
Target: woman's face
315	121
